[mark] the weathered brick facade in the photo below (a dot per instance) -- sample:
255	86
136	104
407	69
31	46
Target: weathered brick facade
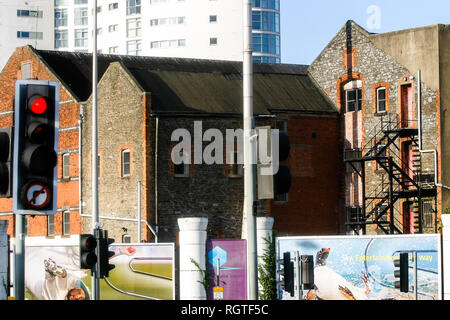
353	56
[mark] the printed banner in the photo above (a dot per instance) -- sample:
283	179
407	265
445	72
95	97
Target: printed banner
362	267
230	256
142	271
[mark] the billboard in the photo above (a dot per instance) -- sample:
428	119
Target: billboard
229	255
142	271
362	267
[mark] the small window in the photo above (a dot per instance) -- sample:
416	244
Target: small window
50	225
428	212
353	100
26	71
126	238
66	223
65	166
126	163
381	100
212	41
213	18
353	154
181	170
113	6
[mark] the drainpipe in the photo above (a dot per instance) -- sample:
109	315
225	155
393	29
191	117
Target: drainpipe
156	174
419	115
80	158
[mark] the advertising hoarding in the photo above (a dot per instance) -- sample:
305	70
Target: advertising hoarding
142	271
362	267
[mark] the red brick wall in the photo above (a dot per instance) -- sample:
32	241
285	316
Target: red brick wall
68	139
314	161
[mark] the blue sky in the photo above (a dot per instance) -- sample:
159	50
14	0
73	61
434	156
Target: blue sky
308	25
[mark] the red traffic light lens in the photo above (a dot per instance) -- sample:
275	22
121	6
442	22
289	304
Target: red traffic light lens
38	105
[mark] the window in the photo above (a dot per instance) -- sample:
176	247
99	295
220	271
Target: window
81	37
134	47
50	225
81	16
266	21
61	39
26	71
427	211
60	3
381	99
353	154
113	6
65	166
281	125
133	28
66	223
126	238
113	28
353	100
113	49
235	169
167	44
81	1
29	35
284	197
30	13
266	43
213	18
60	17
182	170
125	163
212	41
266	4
133	7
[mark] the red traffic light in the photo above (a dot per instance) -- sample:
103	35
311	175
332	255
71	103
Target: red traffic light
37	104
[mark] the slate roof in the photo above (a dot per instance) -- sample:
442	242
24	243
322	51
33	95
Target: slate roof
196	85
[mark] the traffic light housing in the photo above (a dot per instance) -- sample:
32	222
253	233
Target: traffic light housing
307	269
273	178
88	256
36	127
402	272
287	273
6	143
104	254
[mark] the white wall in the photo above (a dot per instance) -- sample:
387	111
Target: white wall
10	23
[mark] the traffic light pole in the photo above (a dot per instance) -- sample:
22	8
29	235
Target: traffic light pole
19	263
249	153
95	214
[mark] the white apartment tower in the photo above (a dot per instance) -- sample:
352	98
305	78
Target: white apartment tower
207	29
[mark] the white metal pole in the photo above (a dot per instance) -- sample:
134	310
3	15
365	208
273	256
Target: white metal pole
95	214
139	214
249	161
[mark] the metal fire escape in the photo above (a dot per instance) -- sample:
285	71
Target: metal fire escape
398	179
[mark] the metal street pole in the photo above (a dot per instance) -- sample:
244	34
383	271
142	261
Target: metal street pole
249	154
19	262
95	215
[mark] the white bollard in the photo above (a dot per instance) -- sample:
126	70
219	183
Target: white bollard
192	246
264	227
445	218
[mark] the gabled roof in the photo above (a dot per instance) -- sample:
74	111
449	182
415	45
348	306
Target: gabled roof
196	85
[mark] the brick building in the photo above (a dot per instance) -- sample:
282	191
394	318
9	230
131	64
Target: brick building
390	186
141	101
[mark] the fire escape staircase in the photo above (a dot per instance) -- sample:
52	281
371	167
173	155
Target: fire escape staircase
378	207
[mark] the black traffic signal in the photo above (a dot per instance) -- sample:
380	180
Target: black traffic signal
88	256
287	273
104	254
6	143
35	147
402	273
282	179
307	267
